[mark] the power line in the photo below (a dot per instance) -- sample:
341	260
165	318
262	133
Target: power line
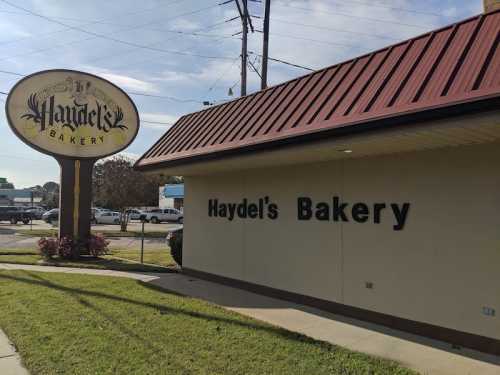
280	20
165	97
179	100
316	40
351	16
128	28
391	7
157	122
285	62
87	23
224	72
103	36
12	73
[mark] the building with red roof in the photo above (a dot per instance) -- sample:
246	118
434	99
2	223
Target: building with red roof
368	188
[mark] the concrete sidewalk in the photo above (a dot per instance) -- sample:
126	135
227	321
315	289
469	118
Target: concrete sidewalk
10	363
424	355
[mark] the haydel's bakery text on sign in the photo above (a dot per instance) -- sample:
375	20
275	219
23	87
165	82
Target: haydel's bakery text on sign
72	114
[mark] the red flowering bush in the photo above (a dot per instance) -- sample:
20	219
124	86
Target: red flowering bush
97	245
48	247
67	248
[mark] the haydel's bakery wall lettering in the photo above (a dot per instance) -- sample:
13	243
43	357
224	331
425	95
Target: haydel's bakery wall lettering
337	211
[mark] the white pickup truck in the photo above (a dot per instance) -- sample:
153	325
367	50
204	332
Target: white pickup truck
158	215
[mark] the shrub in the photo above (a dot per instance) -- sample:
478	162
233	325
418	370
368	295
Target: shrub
67	248
48	247
175	243
97	245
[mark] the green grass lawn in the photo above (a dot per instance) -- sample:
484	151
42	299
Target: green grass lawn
158	256
80	324
31	256
107	233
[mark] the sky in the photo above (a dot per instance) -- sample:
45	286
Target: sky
181	53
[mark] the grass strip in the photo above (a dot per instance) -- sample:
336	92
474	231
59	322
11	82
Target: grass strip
81	324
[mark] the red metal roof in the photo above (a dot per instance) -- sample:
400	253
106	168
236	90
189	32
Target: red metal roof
455	65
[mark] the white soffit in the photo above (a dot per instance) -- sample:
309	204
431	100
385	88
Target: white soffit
458	131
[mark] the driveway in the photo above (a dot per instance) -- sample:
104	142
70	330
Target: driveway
13	241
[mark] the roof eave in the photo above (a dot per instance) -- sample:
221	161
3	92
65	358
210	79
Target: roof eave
484	104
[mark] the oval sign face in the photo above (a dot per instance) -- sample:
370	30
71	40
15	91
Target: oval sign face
72	114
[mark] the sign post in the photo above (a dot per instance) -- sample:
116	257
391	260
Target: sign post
77	118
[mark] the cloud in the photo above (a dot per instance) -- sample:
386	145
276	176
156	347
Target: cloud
185	25
160	121
124	81
130	82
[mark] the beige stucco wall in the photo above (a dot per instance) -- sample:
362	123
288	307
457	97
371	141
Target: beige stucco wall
442	268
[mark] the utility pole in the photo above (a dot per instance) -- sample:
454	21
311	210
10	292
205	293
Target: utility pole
244	24
265	45
244	50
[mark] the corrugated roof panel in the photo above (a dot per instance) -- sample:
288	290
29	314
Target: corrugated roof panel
197	121
173	135
359	88
250	123
297	102
456	64
162	142
293	114
423	68
491	73
285	105
381	79
266	119
216	114
237	120
207	130
247	118
190	134
300	114
336	80
226	120
478	52
450	60
341	92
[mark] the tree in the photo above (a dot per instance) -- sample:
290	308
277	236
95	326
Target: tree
4	184
118	186
50	194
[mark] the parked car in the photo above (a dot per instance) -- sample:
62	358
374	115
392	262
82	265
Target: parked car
158	215
14	214
108	217
36	212
134	214
95	212
51	215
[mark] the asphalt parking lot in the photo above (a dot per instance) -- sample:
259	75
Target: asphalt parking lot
10	239
132	226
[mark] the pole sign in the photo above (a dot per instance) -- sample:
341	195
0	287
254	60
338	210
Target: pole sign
77	118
